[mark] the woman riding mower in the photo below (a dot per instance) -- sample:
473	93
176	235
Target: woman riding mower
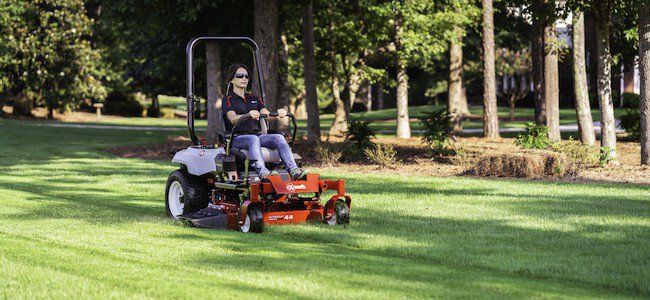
238	103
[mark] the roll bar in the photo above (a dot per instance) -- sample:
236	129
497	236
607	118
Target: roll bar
190	74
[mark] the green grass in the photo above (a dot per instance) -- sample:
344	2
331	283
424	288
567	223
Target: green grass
81	223
382	120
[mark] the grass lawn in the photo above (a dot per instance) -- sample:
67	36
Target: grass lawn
382	119
80	223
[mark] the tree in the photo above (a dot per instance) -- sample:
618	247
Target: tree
551	81
644	70
266	36
490	117
537	52
513	67
403	125
313	121
583	109
53	62
214	79
455	82
602	12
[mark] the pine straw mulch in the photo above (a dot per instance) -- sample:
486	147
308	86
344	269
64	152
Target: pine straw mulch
414	160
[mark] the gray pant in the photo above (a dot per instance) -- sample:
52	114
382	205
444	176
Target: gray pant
253	144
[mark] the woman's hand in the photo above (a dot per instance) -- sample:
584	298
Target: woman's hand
282	112
254	114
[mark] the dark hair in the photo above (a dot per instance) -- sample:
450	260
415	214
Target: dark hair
233	69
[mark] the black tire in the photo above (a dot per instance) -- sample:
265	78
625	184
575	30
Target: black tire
254	220
341	214
195	193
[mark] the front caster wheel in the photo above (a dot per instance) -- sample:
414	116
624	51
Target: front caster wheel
254	221
340	215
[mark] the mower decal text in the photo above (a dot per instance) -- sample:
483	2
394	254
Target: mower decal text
292	188
285	217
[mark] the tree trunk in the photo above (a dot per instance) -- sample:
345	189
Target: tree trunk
353	88
455	81
283	82
380	95
490	116
551	83
583	110
403	125
644	72
463	107
607	121
340	124
511	104
537	57
214	82
313	121
266	36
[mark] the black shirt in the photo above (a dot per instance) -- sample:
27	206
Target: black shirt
242	106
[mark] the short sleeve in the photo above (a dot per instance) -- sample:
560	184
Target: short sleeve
226	104
260	103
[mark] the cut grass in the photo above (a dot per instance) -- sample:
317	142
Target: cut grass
383	120
79	223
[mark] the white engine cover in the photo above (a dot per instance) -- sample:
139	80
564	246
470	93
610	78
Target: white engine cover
198	161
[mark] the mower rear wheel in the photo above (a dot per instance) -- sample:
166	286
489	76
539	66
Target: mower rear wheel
185	193
340	215
254	220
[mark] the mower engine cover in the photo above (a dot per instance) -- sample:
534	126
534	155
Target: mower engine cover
198	161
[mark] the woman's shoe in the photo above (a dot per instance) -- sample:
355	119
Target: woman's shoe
298	173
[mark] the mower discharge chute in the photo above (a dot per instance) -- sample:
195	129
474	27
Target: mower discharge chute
217	186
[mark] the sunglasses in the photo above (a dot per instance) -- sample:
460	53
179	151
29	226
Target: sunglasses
240	75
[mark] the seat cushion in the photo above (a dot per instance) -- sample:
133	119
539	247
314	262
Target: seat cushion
270	155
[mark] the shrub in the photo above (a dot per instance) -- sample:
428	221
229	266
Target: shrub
153	112
578	156
385	156
360	133
534	137
605	155
631	122
120	103
23	105
437	129
631	100
327	155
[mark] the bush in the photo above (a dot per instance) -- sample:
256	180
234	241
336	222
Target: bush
437	129
119	103
631	122
631	100
23	105
534	137
153	112
605	155
327	155
385	156
360	133
578	156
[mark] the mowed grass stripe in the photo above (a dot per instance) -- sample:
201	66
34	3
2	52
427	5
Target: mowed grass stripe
68	207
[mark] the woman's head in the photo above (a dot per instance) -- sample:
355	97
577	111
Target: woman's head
238	75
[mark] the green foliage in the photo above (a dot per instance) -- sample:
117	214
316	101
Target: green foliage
533	137
384	156
360	133
605	155
437	128
120	103
46	51
631	122
578	156
631	100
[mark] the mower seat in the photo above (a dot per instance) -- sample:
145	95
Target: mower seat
269	155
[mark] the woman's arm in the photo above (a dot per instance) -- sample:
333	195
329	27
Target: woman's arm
233	117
